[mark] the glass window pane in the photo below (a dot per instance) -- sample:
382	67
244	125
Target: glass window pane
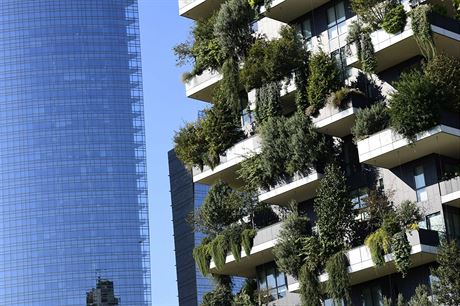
435	222
280	279
330	17
340	11
306	29
261	279
271	282
419	177
422	195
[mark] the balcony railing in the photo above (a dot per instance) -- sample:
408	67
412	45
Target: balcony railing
424	247
450	191
299	188
229	163
388	149
261	253
201	87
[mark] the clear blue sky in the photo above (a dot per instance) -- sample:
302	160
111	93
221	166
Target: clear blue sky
166	109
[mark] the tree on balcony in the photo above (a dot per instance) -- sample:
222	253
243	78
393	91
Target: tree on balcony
447	287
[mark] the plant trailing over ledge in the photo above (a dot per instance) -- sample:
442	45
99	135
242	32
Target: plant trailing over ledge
336	229
360	35
289	244
221	294
202	256
309	287
247	239
447	287
395	20
268	102
324	78
422	30
337	286
401	251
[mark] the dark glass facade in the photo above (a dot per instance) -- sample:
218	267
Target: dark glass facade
73	189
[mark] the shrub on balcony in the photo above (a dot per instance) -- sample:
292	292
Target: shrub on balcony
221	294
289	244
416	105
309	287
370	120
447	287
324	78
401	251
360	35
443	71
422	30
274	60
373	12
395	20
268	102
190	145
335	230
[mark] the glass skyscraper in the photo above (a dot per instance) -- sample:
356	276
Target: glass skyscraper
73	189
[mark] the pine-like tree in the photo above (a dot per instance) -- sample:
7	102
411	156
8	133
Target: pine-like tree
447	287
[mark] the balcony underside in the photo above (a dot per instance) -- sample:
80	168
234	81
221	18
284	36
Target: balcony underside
387	149
451	199
198	9
202	86
288	10
299	190
338	125
226	172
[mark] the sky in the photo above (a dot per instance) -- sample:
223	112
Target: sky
166	110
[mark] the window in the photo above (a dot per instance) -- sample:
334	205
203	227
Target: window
336	20
372	296
358	197
271	280
419	178
305	30
435	222
331	302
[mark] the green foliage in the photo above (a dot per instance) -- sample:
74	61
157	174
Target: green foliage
289	243
309	287
401	250
312	258
400	301
204	51
222	293
220	130
378	243
202	256
372	12
247	239
377	207
415	106
447	287
289	146
421	297
422	30
268	101
232	28
221	208
456	4
360	35
443	71
408	214
190	145
335	229
218	250
233	234
337	286
247	295
395	20
229	90
274	60
324	78
370	120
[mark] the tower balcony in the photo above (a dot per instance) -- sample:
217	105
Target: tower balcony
450	192
201	87
388	149
300	188
198	9
446	35
288	10
229	164
261	253
424	248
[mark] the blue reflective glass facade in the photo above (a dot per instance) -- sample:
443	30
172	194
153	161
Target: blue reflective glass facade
73	189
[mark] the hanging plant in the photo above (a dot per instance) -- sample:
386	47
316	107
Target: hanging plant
309	287
247	239
218	250
401	251
268	101
422	30
202	256
337	286
360	35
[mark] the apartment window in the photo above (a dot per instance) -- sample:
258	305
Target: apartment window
435	222
331	302
271	280
358	197
420	186
305	30
372	296
341	59
336	20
